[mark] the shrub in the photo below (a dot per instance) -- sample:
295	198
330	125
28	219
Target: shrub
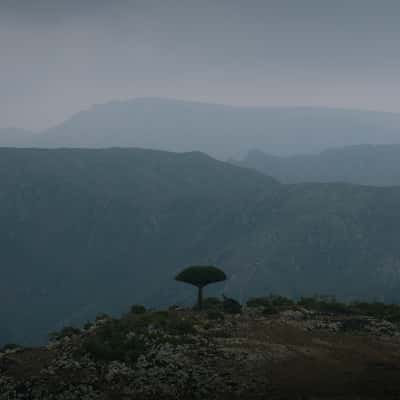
324	304
102	317
138	309
111	343
212	303
231	306
170	323
269	310
353	325
125	339
67	331
281	301
215	315
390	312
87	325
271	304
180	326
258	302
9	346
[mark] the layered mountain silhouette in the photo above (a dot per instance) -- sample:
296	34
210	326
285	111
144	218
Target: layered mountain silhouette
364	164
218	130
84	231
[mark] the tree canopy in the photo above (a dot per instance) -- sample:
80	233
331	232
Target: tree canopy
200	276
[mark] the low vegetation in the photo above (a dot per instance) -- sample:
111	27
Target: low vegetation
327	304
273	347
138	309
111	339
125	339
64	332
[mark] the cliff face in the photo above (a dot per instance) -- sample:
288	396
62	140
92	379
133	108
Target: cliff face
179	354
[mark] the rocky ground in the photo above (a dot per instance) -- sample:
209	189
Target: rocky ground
181	354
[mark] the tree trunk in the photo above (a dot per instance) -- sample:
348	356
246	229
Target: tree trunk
200	298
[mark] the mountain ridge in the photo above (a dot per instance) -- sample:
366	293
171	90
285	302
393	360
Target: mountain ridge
375	165
219	130
125	221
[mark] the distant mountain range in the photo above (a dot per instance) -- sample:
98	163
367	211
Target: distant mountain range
364	164
84	231
218	130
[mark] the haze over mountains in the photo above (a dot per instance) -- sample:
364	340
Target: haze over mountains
218	130
84	231
88	231
377	165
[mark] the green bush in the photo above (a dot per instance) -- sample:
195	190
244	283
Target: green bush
67	331
87	325
324	304
138	309
390	312
258	302
231	306
271	304
102	317
9	346
111	343
212	303
353	325
123	339
180	326
170	323
215	315
270	310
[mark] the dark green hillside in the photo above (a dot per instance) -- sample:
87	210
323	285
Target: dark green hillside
83	231
364	164
335	239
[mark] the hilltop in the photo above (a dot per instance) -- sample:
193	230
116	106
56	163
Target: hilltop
288	351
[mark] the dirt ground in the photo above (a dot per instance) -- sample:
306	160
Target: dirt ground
282	358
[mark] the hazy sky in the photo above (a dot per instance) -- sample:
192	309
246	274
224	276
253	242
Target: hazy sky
59	56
